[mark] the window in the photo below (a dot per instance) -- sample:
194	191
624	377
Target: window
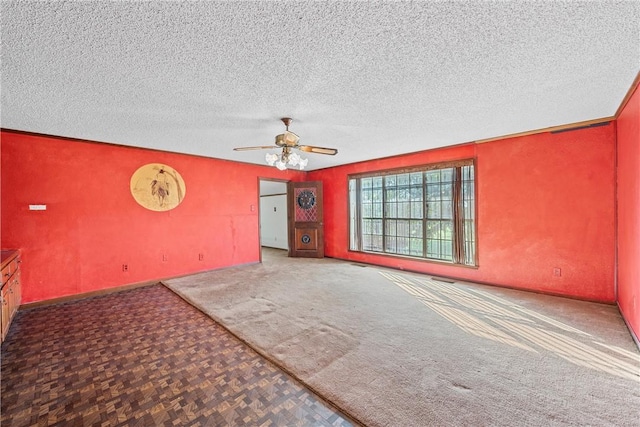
426	212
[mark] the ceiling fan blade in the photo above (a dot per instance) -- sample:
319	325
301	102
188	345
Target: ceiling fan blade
260	147
317	150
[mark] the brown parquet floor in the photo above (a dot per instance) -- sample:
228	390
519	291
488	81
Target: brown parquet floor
143	357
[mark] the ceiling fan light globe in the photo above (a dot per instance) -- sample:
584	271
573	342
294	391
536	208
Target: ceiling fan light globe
294	159
281	165
303	163
271	158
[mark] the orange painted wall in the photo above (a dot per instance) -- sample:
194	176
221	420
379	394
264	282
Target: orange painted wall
93	225
628	280
544	201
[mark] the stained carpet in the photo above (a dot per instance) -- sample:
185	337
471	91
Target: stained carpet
398	349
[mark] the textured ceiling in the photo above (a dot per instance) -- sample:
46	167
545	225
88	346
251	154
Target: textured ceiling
371	79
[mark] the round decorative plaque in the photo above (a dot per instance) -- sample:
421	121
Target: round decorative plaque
157	187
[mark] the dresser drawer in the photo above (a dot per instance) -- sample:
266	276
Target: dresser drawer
11	291
10	263
7	272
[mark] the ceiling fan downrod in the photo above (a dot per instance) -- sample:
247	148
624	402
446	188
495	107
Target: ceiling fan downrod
286	121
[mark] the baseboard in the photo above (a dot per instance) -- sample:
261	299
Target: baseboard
107	291
477	282
629	328
74	297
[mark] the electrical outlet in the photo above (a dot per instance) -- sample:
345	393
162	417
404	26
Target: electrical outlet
125	267
164	257
200	257
557	272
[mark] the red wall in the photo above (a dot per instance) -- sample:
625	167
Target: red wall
93	225
628	280
545	201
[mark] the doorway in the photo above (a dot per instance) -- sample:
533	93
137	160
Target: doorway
273	217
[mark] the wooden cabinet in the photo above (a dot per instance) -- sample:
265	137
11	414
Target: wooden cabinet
11	291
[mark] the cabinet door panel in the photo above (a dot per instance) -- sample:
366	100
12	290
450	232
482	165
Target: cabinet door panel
5	316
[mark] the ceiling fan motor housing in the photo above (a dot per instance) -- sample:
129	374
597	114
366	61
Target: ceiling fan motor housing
287	139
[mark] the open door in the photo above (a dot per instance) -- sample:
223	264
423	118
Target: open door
306	230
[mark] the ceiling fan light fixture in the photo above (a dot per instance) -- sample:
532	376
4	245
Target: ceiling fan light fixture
286	158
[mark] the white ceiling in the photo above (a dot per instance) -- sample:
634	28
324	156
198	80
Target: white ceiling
371	79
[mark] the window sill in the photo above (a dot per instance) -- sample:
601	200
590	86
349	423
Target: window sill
415	259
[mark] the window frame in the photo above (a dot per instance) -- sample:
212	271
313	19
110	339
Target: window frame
354	229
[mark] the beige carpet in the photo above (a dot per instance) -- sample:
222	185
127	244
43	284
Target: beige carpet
392	348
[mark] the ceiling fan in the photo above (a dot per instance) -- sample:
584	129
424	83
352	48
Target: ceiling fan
288	141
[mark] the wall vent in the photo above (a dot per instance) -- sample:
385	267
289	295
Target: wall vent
440	279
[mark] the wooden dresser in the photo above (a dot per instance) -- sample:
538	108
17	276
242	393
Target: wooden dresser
11	289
